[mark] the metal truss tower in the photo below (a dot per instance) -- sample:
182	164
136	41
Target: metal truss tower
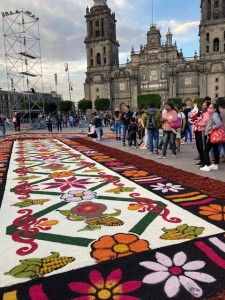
23	62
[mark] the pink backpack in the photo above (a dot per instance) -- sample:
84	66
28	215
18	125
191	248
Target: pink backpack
177	124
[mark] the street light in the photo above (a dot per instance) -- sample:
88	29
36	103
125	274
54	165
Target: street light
69	83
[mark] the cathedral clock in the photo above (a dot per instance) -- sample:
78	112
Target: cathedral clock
152	41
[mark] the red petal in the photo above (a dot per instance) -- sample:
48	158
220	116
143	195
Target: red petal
85	298
122	297
127	287
96	279
82	288
113	279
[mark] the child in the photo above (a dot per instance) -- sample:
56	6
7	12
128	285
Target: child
132	132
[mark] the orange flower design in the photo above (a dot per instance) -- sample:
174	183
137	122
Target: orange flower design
213	211
135	173
62	174
118	245
100	157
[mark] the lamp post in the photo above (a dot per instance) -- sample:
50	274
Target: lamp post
69	83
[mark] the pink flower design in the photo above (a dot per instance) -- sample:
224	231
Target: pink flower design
114	163
177	272
65	184
101	289
167	187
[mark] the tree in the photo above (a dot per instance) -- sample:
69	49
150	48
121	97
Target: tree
199	102
65	106
102	104
50	107
177	101
145	99
84	104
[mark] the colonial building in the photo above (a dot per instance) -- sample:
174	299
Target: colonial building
157	67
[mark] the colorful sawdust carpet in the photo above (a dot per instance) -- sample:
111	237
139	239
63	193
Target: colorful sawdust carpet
79	224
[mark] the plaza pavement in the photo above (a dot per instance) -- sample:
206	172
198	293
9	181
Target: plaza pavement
184	161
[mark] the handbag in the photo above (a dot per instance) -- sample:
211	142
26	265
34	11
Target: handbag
217	136
177	124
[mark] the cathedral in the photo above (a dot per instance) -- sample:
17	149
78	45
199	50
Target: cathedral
157	67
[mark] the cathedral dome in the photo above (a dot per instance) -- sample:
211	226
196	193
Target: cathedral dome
100	2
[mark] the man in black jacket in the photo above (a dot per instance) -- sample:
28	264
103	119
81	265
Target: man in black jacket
125	120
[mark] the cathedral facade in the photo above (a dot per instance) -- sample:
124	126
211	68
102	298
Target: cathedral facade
156	67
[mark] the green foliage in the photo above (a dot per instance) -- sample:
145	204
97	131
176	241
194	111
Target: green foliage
145	99
65	106
84	104
50	106
102	104
177	101
199	102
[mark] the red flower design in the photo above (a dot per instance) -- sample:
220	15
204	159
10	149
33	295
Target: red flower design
101	289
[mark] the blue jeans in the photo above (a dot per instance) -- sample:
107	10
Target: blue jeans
222	147
125	129
3	129
169	136
98	131
188	130
153	135
118	127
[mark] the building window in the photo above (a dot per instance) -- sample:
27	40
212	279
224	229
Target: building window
209	9
92	63
207	37
104	61
224	47
97	24
207	49
216	4
217	79
98	59
216	44
91	52
97	90
217	95
104	50
224	35
217	88
97	33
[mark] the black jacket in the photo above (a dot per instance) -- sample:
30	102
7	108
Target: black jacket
125	118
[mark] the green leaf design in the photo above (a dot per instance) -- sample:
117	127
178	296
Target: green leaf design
27	274
181	228
116	214
90	228
23	204
199	230
31	261
73	217
65	213
54	255
17	270
127	189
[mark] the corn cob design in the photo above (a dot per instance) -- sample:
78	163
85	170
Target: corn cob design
38	267
105	221
182	232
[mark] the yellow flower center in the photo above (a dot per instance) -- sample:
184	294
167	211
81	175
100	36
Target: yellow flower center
79	195
104	294
88	208
121	248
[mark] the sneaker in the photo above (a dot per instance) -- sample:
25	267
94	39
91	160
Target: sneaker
205	169
161	157
183	143
174	156
151	152
213	167
199	164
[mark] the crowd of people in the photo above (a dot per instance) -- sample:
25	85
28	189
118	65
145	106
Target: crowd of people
163	130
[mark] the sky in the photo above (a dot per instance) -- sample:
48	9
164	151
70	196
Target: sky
63	30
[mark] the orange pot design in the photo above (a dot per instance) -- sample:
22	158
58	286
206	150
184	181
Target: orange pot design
118	245
62	174
135	173
213	211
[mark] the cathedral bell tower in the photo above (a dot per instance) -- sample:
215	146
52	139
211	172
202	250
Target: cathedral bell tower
212	28
101	44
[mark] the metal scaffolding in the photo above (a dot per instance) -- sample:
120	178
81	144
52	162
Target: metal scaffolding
23	62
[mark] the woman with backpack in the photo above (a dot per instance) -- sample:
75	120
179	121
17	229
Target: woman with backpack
169	118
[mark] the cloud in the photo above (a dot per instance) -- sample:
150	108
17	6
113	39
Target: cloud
121	3
180	28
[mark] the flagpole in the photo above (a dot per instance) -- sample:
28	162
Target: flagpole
69	83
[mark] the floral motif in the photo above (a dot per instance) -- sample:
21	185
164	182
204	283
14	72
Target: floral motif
65	184
62	174
213	211
114	163
118	245
78	195
168	187
89	210
177	272
135	173
101	289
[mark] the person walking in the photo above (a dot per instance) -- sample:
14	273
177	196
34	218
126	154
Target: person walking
59	120
188	129
214	122
49	123
151	120
169	116
117	124
221	103
132	132
3	124
181	129
98	126
125	120
199	131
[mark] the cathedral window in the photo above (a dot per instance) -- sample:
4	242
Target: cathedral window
104	50
97	33
216	4
92	63
216	45
91	52
104	61
98	59
224	35
207	37
224	47
97	24
209	9
207	49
